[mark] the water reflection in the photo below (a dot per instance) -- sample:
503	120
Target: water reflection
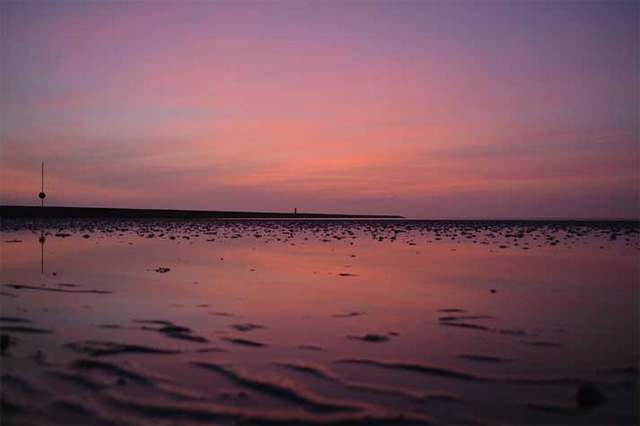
313	323
42	240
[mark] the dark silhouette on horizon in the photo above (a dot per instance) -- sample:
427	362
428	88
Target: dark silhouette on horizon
108	212
104	212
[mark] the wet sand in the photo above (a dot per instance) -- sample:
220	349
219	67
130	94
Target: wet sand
319	322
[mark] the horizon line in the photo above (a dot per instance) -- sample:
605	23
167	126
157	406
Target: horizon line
31	210
338	215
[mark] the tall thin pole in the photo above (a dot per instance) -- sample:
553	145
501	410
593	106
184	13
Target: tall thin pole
42	199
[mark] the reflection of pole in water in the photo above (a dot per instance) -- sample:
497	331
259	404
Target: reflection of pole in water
42	195
42	240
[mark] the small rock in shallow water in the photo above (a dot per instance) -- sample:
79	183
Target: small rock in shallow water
245	342
5	342
247	327
588	396
349	314
373	338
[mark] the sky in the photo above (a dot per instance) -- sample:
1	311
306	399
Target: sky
427	109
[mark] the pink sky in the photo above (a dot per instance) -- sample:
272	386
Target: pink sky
426	109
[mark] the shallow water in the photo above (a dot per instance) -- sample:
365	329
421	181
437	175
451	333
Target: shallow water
303	322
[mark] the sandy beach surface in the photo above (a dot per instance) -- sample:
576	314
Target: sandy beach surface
319	322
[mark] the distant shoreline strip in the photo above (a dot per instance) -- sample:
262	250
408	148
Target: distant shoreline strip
9	212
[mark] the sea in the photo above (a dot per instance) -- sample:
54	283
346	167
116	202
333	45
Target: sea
193	322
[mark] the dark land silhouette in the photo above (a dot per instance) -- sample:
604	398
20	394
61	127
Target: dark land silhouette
99	212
